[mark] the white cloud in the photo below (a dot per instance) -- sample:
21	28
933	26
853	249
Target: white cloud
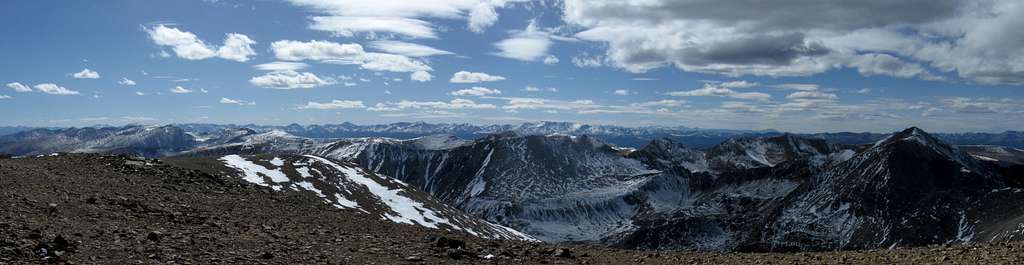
802	87
474	77
530	44
54	89
586	60
139	93
407	48
537	89
715	90
545	104
481	17
884	64
289	80
475	91
348	26
126	82
18	87
551	59
281	66
966	105
864	91
180	90
738	84
2	96
623	92
237	47
86	74
420	76
407	18
347	54
186	45
236	102
419	105
812	95
334	104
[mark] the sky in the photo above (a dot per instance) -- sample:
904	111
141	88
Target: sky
797	65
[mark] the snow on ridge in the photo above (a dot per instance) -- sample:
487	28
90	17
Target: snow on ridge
985	158
255	173
277	162
406	210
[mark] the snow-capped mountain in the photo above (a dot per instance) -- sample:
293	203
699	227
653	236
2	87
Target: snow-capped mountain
133	139
347	186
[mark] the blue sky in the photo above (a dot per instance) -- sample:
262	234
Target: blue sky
942	65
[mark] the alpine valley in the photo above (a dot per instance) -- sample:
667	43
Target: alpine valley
653	188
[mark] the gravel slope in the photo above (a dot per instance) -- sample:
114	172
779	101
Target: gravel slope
93	209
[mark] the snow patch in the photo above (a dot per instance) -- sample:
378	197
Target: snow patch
254	173
405	209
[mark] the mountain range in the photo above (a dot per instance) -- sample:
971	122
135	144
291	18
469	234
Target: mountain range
633	137
751	191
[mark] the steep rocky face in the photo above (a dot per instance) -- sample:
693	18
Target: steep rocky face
746	153
555	187
347	186
908	189
664	154
151	141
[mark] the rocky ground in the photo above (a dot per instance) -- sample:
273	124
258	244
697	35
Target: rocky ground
93	209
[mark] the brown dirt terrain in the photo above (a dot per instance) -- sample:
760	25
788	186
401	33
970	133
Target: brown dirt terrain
93	209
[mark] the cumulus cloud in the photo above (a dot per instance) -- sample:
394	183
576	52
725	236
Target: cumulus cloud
180	90
715	90
420	76
236	102
474	77
86	74
126	82
2	96
186	45
405	18
908	39
289	80
334	104
551	59
475	91
18	87
347	54
407	48
481	17
54	89
237	47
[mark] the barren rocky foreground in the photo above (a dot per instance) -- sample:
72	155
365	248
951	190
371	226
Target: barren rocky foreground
94	209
